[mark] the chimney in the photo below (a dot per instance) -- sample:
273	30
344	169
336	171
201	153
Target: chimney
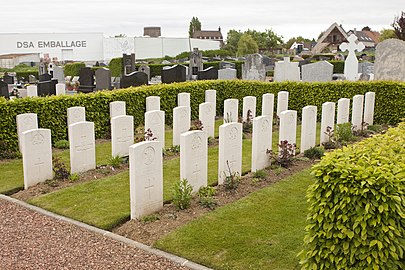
219	29
355	31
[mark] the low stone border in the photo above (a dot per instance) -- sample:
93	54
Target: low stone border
116	237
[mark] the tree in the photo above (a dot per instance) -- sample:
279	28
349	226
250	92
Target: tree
232	39
195	25
399	26
387	34
366	28
247	45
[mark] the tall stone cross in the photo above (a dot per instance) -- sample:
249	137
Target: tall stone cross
351	63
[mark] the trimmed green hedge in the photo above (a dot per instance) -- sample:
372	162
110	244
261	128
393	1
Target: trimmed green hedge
338	66
73	69
115	66
389	105
356	218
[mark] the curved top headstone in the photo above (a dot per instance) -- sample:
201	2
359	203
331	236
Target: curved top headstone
390	60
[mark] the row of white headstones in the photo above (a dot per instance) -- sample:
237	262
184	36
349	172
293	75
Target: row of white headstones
145	158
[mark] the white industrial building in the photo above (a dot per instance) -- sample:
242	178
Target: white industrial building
92	47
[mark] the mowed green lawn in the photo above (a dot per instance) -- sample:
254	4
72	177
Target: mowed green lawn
264	230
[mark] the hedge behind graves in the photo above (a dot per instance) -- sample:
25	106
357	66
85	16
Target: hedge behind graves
73	69
389	107
356	218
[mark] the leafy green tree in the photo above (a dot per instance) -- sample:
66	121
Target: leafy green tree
366	28
399	26
247	45
195	25
232	39
387	34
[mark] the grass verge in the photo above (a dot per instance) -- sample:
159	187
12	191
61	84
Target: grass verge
261	231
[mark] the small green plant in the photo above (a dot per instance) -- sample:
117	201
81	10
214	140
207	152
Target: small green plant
115	161
285	156
211	140
375	128
315	152
147	136
150	218
175	149
62	144
182	194
344	133
59	169
260	174
331	143
74	177
206	197
196	125
232	180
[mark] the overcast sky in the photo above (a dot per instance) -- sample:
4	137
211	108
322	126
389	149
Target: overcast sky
307	18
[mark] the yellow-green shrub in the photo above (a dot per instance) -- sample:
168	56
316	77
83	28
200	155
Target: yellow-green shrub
390	100
356	218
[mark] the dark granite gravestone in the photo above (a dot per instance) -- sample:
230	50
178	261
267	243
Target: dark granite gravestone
128	63
176	73
45	77
210	73
86	80
224	64
103	79
47	88
4	90
8	79
136	78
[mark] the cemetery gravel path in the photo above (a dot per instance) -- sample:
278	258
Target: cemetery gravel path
30	240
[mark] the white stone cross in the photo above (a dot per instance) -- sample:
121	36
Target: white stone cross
351	63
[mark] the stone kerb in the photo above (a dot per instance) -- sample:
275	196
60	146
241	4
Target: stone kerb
122	135
194	158
37	156
82	147
230	151
146	178
261	142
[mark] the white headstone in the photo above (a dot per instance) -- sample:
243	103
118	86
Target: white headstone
261	142
268	104
122	135
230	151
76	114
327	120
308	128
231	110
117	108
206	114
153	103
211	96
146	178
82	147
369	108
282	102
60	89
227	74
32	91
286	71
181	122
357	112
321	71
249	103
351	62
37	156
25	121
155	121
288	127
194	158
343	111
183	99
